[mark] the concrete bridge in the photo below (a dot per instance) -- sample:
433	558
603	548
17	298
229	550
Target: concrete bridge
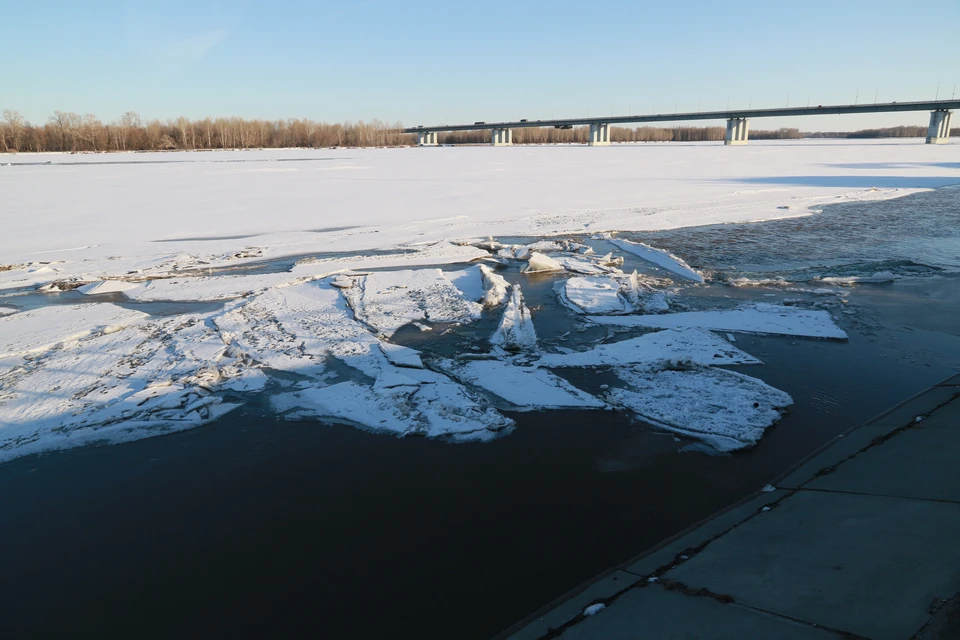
501	133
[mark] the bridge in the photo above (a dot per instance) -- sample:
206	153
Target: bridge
501	133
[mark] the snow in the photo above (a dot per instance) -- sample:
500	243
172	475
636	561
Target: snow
540	263
480	283
691	346
388	300
41	329
594	609
527	388
757	318
515	331
723	409
659	257
495	287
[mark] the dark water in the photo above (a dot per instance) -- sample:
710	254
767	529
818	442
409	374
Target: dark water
255	526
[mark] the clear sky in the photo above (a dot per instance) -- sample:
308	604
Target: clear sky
430	61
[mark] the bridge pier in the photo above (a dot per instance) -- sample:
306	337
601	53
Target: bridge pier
939	131
738	130
599	135
501	137
426	138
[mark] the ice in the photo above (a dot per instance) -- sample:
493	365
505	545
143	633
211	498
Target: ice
691	346
515	332
527	388
41	329
880	276
6	311
659	257
757	318
539	263
401	356
148	378
724	409
222	287
579	265
480	283
592	295
388	300
27	276
594	609
107	286
434	406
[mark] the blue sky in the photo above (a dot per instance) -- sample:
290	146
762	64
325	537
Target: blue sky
429	62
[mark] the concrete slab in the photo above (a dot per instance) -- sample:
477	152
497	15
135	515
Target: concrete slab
946	417
916	463
841	449
954	381
717	524
654	612
558	616
863	564
918	405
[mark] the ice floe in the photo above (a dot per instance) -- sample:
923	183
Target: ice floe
515	331
540	263
107	286
527	388
724	409
592	294
480	283
659	257
756	318
388	300
40	329
689	346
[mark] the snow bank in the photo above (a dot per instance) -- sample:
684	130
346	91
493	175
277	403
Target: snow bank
659	257
691	346
724	409
515	332
527	388
758	318
388	300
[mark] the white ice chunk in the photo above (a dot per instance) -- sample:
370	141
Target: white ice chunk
495	287
659	257
388	300
437	407
579	265
694	346
539	263
528	388
469	281
757	318
724	409
515	331
592	295
107	286
594	609
401	356
880	276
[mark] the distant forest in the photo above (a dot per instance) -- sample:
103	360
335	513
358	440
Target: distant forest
71	132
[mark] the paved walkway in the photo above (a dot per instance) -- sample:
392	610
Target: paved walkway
861	541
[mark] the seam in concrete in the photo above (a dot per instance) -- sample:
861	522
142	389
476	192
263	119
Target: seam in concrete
876	441
878	495
845	635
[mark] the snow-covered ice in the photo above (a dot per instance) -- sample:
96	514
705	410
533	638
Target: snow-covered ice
691	346
515	331
107	286
756	318
724	409
659	257
592	294
388	300
525	387
540	263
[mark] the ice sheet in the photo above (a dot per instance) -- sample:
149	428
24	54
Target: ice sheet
527	388
515	331
692	346
593	294
388	300
724	409
659	257
758	318
40	329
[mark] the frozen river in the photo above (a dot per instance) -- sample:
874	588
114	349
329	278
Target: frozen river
276	508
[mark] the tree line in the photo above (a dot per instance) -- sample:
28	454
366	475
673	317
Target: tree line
70	132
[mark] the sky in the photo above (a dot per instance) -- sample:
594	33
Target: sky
432	62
